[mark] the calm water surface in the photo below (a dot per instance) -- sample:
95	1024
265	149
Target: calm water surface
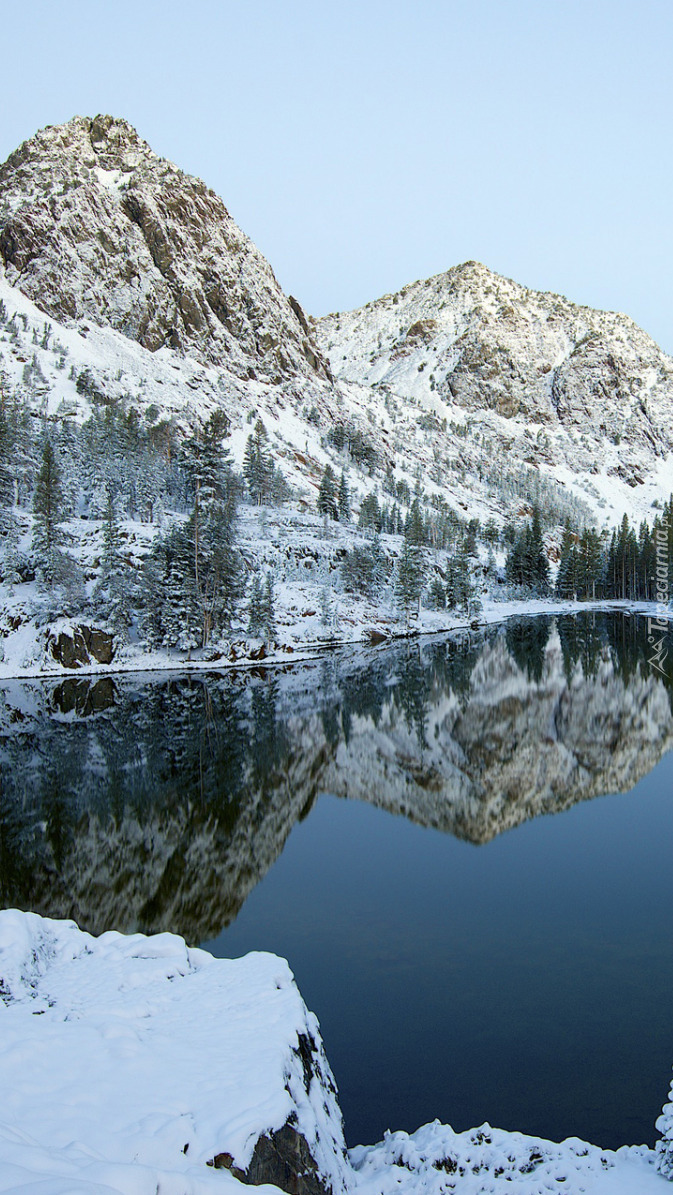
421	831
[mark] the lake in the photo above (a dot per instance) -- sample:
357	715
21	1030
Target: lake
423	831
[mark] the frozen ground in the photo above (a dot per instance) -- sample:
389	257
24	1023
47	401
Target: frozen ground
128	1063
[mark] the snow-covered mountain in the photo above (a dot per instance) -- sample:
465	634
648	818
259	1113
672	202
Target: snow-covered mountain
466	379
129	299
94	226
585	396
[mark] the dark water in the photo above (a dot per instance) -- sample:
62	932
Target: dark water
421	831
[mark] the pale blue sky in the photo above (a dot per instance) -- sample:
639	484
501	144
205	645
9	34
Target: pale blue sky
365	144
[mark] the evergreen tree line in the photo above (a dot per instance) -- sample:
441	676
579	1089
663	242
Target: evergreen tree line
435	525
118	466
624	565
527	566
366	571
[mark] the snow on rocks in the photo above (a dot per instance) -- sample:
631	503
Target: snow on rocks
665	1146
581	395
486	1161
133	1064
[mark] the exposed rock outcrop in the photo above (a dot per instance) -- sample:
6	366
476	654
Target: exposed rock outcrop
106	237
81	647
94	225
474	340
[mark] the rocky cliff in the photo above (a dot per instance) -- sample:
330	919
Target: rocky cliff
486	390
95	226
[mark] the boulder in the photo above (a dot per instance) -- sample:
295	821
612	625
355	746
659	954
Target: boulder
82	646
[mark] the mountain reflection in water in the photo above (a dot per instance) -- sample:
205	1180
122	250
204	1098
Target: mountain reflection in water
145	803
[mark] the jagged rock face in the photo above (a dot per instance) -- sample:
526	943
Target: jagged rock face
82	646
94	226
471	338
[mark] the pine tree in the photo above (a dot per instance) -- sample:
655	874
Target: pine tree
326	605
47	537
181	616
6	471
566	577
256	607
369	518
213	574
436	599
647	563
459	588
113	590
261	608
344	500
11	560
527	565
539	564
363	569
257	464
327	494
471	537
410	577
269	608
414	528
590	555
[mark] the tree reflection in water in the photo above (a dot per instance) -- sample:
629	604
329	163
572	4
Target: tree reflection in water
159	803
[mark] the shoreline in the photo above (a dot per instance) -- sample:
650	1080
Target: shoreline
287	654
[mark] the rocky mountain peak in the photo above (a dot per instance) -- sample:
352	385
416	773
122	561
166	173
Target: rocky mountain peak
95	226
472	339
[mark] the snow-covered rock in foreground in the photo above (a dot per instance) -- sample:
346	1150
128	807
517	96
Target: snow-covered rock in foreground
665	1146
130	1064
435	1160
134	1065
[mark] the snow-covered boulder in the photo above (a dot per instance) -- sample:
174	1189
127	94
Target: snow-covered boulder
435	1160
665	1145
135	1064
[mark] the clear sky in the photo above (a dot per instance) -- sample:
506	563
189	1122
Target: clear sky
365	143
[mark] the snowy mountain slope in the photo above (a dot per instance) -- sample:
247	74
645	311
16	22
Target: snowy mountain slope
127	293
94	226
583	395
463	380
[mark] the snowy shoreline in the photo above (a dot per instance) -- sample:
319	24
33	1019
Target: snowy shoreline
133	1064
367	633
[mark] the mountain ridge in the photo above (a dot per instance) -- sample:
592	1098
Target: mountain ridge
479	396
176	269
